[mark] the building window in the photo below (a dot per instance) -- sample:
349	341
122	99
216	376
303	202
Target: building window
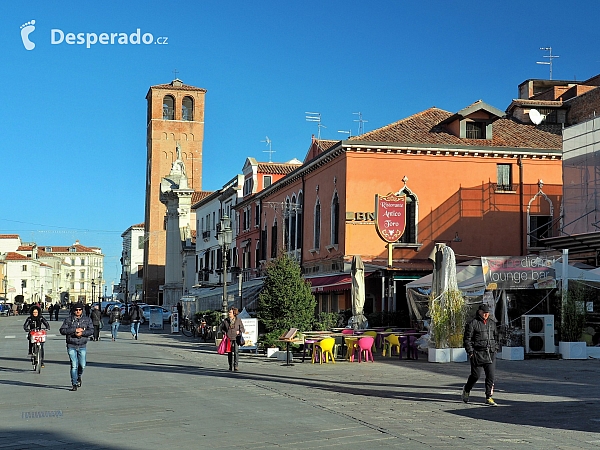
540	228
257	215
187	108
293	224
335	220
317	225
475	130
82	274
263	244
550	115
248	186
140	242
267	180
504	177
24	268
299	227
274	240
140	271
168	108
83	261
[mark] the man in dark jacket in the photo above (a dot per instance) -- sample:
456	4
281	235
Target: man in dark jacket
96	317
77	328
135	315
481	343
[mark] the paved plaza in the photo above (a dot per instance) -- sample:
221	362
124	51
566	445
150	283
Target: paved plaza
168	391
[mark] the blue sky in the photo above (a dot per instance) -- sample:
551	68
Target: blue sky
74	121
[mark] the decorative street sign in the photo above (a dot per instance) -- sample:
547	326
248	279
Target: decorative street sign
390	216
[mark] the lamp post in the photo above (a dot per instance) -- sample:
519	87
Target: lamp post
224	238
126	270
93	291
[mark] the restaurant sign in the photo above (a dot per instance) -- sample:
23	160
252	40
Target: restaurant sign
390	216
518	272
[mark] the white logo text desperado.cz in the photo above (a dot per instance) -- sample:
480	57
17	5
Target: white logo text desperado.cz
58	37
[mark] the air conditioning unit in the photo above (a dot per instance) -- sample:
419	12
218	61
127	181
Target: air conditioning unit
539	333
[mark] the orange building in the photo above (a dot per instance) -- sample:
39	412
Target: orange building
478	180
175	121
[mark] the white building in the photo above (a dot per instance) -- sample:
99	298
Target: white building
132	263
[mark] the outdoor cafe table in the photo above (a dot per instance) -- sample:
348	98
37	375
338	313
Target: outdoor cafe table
312	337
408	335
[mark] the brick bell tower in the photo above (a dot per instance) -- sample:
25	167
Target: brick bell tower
175	115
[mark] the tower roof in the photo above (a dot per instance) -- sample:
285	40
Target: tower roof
177	85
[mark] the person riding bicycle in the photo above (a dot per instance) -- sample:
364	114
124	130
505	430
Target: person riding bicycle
32	323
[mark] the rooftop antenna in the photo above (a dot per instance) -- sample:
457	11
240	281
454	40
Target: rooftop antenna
348	132
360	121
315	117
550	56
270	151
175	72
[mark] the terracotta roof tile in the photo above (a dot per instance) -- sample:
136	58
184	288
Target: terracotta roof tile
78	249
24	248
9	236
183	87
277	168
424	128
12	256
200	195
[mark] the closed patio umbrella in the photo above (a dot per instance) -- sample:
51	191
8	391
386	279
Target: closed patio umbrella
358	292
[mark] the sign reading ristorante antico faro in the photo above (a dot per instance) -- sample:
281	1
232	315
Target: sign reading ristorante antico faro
390	216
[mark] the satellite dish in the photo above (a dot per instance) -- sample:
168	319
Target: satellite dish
535	116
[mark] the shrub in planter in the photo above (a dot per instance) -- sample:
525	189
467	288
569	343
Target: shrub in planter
572	313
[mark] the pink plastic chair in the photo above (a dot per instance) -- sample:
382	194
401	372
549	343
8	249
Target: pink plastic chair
347	331
363	347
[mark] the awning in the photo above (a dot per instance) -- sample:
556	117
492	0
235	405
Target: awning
575	243
342	282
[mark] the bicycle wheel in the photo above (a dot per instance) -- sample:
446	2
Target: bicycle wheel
185	328
37	360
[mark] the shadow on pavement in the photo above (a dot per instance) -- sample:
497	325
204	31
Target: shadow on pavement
29	439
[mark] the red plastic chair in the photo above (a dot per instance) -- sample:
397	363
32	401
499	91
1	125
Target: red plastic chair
363	347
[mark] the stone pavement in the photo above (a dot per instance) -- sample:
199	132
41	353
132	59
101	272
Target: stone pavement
168	391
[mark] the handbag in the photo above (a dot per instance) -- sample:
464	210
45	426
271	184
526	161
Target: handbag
240	340
482	357
222	348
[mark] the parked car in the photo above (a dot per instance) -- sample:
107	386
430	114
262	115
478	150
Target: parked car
146	309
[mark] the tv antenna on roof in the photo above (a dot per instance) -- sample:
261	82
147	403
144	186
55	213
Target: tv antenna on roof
550	56
348	132
360	121
270	151
315	117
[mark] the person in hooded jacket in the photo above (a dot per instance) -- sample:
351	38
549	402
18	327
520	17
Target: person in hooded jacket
481	343
114	320
135	315
35	322
96	317
77	328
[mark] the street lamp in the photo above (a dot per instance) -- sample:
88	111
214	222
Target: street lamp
126	270
93	291
224	238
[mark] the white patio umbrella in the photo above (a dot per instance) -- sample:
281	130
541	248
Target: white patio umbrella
358	292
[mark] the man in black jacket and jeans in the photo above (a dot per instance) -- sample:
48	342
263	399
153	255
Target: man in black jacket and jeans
481	343
77	328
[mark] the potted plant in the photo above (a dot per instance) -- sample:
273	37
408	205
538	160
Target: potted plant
439	330
572	322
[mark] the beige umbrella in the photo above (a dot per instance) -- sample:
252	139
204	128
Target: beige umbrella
358	292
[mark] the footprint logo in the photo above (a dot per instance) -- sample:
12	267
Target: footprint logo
26	29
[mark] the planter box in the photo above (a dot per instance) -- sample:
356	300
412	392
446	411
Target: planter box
572	350
271	352
593	352
438	355
513	353
281	356
458	354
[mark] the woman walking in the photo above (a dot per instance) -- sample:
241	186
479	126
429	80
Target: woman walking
114	320
233	327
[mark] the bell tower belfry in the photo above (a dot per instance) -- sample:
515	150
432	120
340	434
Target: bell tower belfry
175	130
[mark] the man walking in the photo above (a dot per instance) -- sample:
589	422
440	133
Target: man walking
77	328
96	317
135	315
481	343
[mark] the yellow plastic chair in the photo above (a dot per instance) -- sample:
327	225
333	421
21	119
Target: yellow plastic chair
350	344
324	348
390	342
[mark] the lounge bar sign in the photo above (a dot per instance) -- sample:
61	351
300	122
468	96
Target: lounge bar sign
390	216
518	272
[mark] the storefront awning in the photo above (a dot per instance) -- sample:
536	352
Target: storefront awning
330	283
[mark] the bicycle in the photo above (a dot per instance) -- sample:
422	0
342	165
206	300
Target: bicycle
37	338
204	330
188	327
